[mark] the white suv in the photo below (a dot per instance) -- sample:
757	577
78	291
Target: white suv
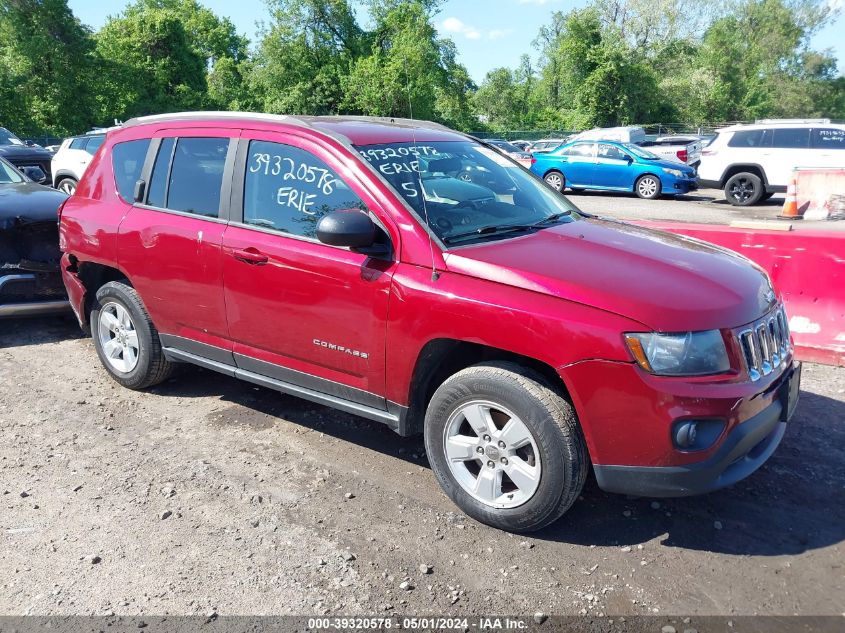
72	158
753	162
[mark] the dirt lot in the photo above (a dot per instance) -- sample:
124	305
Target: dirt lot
208	495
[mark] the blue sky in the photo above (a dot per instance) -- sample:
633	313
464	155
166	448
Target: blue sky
488	33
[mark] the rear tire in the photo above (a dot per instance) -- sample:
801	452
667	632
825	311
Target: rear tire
67	185
743	189
125	338
505	446
555	180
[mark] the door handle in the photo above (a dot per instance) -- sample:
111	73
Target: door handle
250	255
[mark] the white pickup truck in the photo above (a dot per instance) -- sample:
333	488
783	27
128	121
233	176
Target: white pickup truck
680	148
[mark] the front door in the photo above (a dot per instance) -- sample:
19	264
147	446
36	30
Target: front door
613	168
298	310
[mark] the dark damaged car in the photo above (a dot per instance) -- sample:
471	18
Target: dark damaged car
30	280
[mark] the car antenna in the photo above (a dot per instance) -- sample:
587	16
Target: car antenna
434	274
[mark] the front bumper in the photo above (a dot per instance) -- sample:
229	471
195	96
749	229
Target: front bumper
742	452
684	185
628	417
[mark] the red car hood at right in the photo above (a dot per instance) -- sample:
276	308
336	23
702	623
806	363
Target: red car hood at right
667	282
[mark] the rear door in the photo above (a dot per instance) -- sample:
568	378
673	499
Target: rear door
790	149
298	310
828	146
578	164
170	243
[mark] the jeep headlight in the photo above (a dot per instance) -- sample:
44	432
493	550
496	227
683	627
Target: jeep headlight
683	354
677	173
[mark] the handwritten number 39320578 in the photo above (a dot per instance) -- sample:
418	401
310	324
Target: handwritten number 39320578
275	165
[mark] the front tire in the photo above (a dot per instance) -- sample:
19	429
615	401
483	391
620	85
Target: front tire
648	187
555	180
125	338
743	189
505	446
67	185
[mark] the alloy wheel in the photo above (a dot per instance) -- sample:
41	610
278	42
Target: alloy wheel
67	187
492	454
742	189
555	181
647	187
118	337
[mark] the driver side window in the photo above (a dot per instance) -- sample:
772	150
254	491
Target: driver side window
612	152
288	189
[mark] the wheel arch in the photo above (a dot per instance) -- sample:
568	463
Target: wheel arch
753	168
93	276
440	358
63	173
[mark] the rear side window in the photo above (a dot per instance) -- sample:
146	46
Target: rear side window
751	139
94	144
78	143
792	138
828	138
127	163
188	175
288	189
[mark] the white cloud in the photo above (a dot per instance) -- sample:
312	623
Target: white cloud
497	34
454	25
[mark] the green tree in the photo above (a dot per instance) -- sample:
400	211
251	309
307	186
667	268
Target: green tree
148	64
303	56
408	70
45	65
215	39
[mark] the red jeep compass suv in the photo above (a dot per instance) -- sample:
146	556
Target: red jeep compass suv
410	274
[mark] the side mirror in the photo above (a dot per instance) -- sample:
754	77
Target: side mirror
351	228
30	143
629	159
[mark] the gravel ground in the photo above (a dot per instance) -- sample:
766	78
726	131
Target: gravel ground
208	495
706	205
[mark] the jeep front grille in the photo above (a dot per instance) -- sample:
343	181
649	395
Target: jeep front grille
765	344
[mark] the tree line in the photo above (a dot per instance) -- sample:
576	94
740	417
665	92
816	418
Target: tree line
613	62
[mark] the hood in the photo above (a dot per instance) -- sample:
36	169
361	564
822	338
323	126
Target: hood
668	164
27	202
670	283
23	152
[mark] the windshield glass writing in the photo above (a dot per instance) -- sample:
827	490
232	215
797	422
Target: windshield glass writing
466	191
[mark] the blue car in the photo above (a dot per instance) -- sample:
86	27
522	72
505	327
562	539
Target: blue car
612	166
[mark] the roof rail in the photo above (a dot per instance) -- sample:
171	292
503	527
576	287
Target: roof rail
769	121
306	121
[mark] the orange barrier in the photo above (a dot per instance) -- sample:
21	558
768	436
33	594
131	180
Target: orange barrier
807	266
818	191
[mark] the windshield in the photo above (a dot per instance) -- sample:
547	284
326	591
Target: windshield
8	173
7	138
465	191
636	150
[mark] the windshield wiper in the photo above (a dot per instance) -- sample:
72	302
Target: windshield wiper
552	218
494	229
